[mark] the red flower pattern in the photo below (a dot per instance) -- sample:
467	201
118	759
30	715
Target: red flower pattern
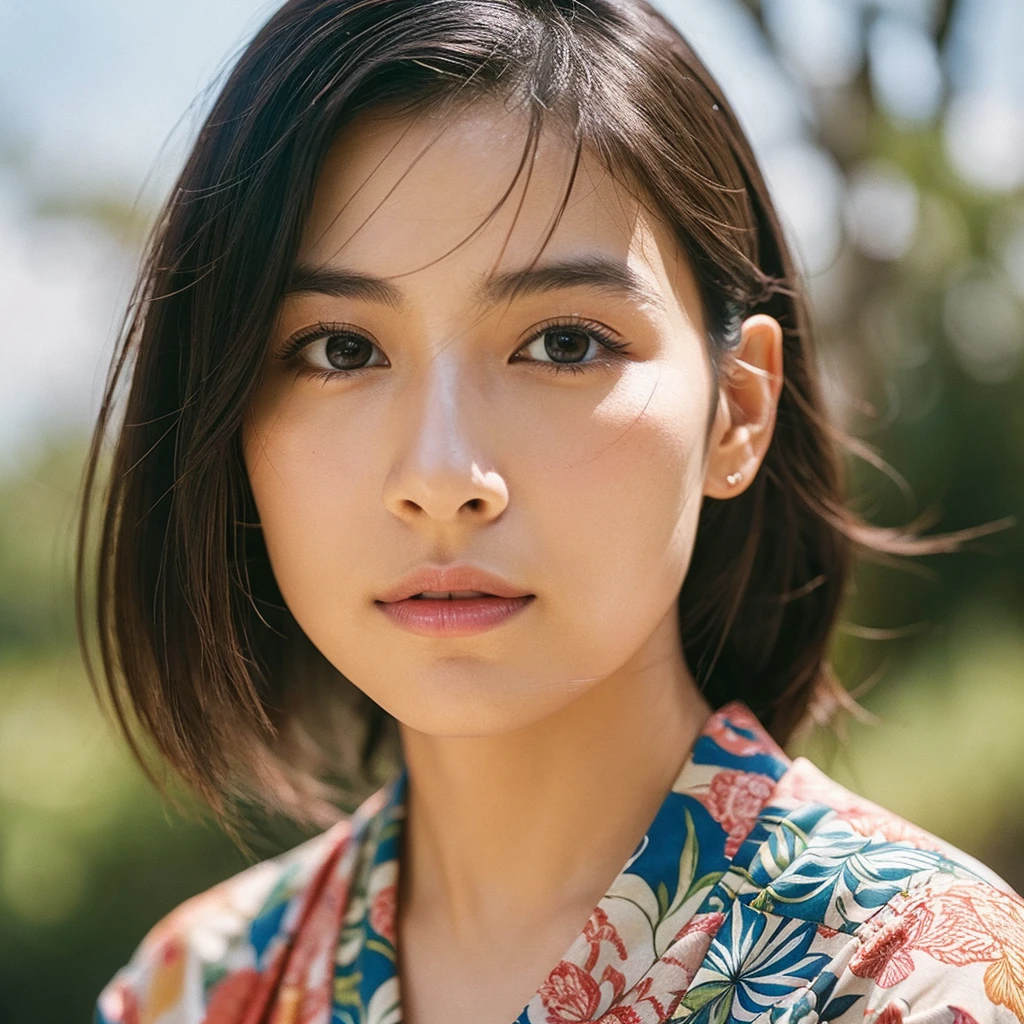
886	957
735	799
571	994
959	924
635	1012
621	1015
708	924
892	1014
692	941
382	912
570	989
599	929
721	727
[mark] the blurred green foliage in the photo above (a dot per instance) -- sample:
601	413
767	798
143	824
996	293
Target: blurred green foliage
90	858
87	853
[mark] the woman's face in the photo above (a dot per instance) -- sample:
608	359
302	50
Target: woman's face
453	439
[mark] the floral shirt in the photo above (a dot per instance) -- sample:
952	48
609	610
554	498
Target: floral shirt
762	890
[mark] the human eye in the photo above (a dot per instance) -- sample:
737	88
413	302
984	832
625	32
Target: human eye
327	351
569	337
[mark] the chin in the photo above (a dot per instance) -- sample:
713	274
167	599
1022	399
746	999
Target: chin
461	711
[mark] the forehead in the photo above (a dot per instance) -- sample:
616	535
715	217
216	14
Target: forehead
409	198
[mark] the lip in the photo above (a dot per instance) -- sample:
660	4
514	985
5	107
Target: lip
448	578
464	616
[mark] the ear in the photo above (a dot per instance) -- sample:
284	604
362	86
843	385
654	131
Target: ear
747	404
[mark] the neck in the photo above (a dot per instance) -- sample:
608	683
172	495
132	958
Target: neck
525	826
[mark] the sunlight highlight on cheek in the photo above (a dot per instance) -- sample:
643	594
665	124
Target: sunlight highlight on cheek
656	409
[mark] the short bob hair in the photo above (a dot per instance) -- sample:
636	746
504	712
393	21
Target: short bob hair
201	661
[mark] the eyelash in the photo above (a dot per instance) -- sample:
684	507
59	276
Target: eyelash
319	330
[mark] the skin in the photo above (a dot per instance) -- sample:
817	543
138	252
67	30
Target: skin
455	444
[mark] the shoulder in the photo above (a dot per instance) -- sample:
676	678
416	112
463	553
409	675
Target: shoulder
908	926
217	954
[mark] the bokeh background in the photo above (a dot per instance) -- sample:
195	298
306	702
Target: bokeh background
892	134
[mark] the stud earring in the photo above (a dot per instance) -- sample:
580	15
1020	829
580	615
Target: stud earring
734	478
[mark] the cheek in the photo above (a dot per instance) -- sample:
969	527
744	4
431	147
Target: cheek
627	507
307	481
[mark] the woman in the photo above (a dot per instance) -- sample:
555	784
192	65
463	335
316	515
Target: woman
472	394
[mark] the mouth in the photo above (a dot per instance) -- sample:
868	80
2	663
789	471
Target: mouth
456	613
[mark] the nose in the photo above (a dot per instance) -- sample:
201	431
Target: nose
441	471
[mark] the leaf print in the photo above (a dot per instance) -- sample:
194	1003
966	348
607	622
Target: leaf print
729	950
842	877
759	965
783	963
700	887
662	899
634	890
1004	983
688	949
800	1007
384	1006
799	1011
778	839
346	989
784	844
689	893
838	1006
385	949
688	857
700	995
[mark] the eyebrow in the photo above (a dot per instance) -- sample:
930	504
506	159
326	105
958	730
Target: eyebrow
595	271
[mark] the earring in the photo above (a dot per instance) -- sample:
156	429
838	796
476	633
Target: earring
734	478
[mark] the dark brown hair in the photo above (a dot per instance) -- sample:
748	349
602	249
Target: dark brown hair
203	663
